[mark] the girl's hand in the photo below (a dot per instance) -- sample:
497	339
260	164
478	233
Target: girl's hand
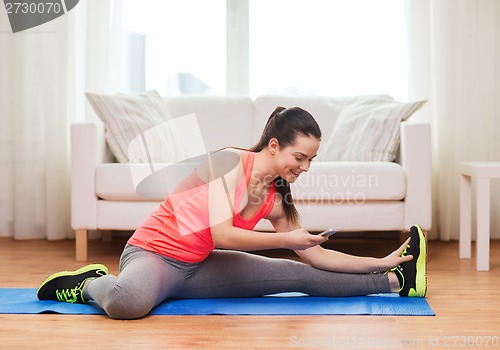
300	239
395	257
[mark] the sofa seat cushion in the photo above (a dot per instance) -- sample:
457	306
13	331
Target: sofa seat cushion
139	182
366	217
356	182
338	182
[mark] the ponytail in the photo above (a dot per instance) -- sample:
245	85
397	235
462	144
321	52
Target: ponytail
285	124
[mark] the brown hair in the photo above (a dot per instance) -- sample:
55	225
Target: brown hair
285	124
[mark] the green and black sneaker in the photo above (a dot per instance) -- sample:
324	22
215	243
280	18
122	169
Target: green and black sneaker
412	275
66	286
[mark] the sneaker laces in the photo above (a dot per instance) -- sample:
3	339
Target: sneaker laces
69	295
405	250
398	270
72	295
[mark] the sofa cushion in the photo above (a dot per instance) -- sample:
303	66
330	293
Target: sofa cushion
139	182
353	182
348	217
138	127
338	182
374	215
367	129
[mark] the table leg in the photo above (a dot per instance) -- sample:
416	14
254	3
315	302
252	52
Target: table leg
465	217
483	224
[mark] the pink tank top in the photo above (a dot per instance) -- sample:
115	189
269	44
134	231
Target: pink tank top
180	227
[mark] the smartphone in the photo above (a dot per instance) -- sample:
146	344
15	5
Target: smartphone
328	232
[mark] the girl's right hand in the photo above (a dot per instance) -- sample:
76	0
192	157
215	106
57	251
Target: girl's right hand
301	239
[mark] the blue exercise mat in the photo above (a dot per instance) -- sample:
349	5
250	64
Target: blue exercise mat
24	301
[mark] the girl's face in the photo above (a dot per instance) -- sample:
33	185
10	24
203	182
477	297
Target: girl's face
296	158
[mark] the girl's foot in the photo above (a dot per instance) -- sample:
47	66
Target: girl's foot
67	286
412	275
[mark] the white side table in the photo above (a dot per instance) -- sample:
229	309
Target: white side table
482	172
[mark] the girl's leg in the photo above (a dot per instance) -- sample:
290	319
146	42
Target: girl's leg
145	280
239	274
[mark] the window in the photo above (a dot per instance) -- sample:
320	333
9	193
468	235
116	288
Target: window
322	47
179	45
328	47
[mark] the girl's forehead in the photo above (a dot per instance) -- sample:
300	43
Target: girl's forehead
305	145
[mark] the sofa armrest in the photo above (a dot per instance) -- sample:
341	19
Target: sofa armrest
88	149
415	158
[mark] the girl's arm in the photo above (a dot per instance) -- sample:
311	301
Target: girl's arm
331	260
327	259
226	236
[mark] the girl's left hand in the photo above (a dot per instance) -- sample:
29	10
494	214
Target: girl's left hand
395	257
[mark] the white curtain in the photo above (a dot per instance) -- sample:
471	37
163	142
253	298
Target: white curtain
455	64
43	74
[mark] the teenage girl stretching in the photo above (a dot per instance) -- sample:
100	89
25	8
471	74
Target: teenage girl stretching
193	245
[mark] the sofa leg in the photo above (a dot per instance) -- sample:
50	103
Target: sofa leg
81	245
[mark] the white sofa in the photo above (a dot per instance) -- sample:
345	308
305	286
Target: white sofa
349	196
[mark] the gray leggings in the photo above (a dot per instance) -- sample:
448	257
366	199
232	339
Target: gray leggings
146	279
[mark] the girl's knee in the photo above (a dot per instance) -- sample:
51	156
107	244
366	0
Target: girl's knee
126	305
121	313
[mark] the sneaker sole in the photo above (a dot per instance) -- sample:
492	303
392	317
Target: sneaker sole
74	273
421	278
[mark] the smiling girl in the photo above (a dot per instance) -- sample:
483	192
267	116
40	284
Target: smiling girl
196	244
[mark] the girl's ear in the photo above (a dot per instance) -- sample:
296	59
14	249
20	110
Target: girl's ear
273	145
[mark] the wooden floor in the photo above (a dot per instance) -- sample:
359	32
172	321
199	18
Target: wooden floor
466	302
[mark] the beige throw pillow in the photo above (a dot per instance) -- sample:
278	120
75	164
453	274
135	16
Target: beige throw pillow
139	128
367	129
